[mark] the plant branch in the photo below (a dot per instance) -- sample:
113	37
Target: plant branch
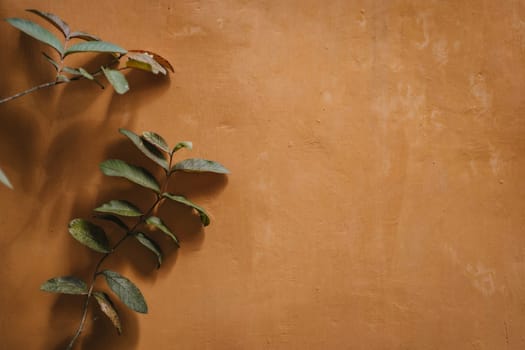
57	82
128	234
34	88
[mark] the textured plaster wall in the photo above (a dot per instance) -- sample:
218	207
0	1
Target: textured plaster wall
377	192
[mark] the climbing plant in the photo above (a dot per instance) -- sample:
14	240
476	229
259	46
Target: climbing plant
76	43
133	223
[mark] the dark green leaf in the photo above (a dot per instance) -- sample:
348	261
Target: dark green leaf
5	180
54	20
36	31
65	285
152	153
89	234
140	176
128	293
84	36
157	222
95	46
196	165
183	144
156	140
119	207
50	60
117	79
114	219
205	219
151	245
107	307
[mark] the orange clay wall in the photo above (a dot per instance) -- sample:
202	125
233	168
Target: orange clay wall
377	192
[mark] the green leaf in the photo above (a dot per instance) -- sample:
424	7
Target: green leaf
144	61
90	235
78	71
65	285
205	219
54	20
128	293
5	180
50	60
84	36
152	153
156	140
157	222
151	245
107	307
114	219
85	74
183	144
117	79
63	78
119	207
95	46
36	31
138	175
196	165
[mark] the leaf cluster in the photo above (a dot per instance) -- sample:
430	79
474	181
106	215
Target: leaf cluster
134	223
79	42
75	42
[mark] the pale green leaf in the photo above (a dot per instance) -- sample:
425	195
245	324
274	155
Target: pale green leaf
114	219
205	219
107	307
95	46
90	235
156	140
128	293
85	74
63	78
65	285
78	71
36	31
84	36
138	175
117	79
5	180
196	165
151	152
119	207
54	20
183	144
159	224
151	245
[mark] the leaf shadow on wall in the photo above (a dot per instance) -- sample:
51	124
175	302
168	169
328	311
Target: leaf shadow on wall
66	154
145	87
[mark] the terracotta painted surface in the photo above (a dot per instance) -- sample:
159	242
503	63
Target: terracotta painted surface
377	192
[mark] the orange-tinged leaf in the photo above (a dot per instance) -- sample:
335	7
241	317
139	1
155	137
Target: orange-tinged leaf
161	60
108	309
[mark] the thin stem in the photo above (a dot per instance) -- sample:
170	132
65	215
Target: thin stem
34	88
128	234
57	82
